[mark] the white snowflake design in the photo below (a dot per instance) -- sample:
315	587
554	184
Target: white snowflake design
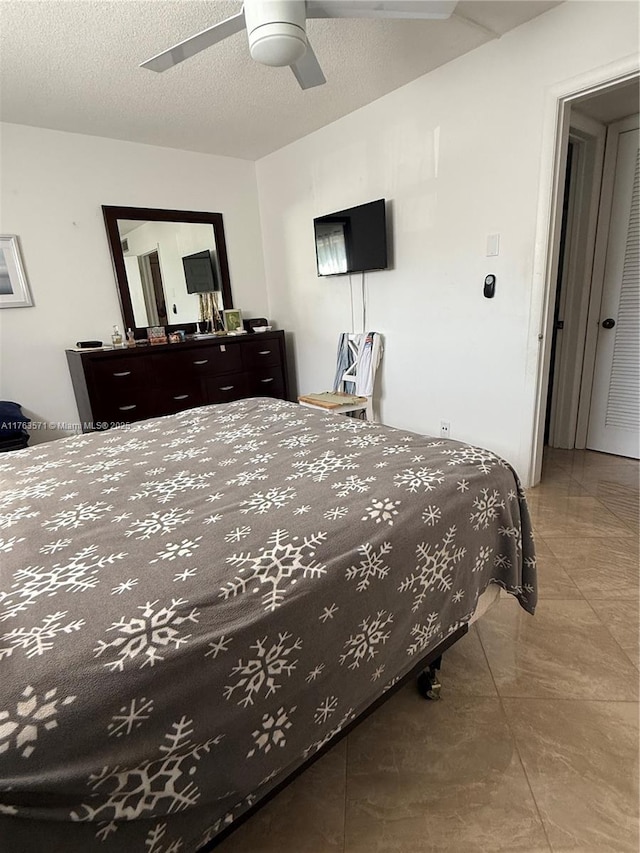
7	545
124	586
486	509
296	441
219	646
130	717
245	478
79	574
155	631
158	523
363	645
165	491
315	673
158	784
8	519
318	744
431	515
173	550
273	731
457	596
39	639
261	502
434	568
484	460
22	727
382	510
371	566
354	484
155	839
482	558
320	468
329	612
238	534
424	634
336	513
366	439
276	567
325	710
77	516
416	479
269	663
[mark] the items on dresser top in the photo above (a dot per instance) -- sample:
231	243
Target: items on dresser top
124	385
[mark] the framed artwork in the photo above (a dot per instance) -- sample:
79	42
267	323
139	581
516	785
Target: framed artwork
232	320
14	288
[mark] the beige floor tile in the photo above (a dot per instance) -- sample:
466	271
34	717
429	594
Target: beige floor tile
307	817
621	620
553	581
564	651
581	761
606	567
441	776
565	515
623	473
465	671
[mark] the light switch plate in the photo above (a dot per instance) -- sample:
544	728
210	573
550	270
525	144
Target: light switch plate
493	245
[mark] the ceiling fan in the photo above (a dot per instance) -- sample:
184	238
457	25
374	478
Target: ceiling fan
277	30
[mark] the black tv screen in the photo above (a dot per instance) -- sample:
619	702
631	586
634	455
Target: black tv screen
352	240
199	272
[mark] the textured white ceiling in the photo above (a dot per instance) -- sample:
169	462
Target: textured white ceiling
73	65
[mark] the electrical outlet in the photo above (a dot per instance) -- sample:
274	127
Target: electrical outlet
444	429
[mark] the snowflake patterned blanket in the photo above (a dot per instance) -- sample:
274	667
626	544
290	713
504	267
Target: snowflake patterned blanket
193	606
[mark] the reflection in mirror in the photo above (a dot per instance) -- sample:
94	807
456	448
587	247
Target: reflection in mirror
171	266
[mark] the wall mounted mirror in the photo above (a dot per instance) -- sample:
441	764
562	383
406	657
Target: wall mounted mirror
170	266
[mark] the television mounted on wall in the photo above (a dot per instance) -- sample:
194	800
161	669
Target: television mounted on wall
352	240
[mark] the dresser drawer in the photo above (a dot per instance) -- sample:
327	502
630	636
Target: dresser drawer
223	389
125	409
199	361
259	354
120	374
175	397
268	382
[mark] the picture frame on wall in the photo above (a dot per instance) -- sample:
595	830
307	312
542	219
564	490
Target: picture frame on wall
14	287
232	320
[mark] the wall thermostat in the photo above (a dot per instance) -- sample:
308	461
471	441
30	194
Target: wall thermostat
490	286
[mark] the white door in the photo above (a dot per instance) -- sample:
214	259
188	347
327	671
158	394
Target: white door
614	420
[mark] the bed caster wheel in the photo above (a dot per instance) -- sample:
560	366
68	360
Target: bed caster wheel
429	685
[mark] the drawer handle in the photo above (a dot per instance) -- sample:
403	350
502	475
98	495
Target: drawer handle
127	408
124	373
265	381
227	387
265	352
181	397
202	361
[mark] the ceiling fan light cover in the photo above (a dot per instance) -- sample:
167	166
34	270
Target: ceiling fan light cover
277	44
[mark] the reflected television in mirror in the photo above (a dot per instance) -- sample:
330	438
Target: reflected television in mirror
164	261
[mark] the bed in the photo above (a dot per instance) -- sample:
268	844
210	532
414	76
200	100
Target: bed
194	607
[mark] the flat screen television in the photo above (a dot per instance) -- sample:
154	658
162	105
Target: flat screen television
352	240
200	273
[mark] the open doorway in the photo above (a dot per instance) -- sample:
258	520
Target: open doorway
593	225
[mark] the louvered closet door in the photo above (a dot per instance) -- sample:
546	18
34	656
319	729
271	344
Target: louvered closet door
614	420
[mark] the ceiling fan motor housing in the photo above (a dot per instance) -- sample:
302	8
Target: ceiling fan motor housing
276	30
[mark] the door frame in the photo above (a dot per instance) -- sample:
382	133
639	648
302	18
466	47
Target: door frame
571	392
548	228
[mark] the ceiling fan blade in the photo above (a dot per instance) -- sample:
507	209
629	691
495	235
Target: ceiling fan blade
307	70
411	9
189	47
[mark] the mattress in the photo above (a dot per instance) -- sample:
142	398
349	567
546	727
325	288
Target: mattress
193	607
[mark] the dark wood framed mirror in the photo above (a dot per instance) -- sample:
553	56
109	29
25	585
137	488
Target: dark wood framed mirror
168	264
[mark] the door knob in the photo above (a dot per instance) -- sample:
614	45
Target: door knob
609	323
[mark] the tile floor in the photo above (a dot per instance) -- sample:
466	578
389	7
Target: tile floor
534	745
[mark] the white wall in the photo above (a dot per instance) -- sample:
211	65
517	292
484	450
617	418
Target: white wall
458	154
53	186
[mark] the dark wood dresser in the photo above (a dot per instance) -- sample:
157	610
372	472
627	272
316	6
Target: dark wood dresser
117	386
